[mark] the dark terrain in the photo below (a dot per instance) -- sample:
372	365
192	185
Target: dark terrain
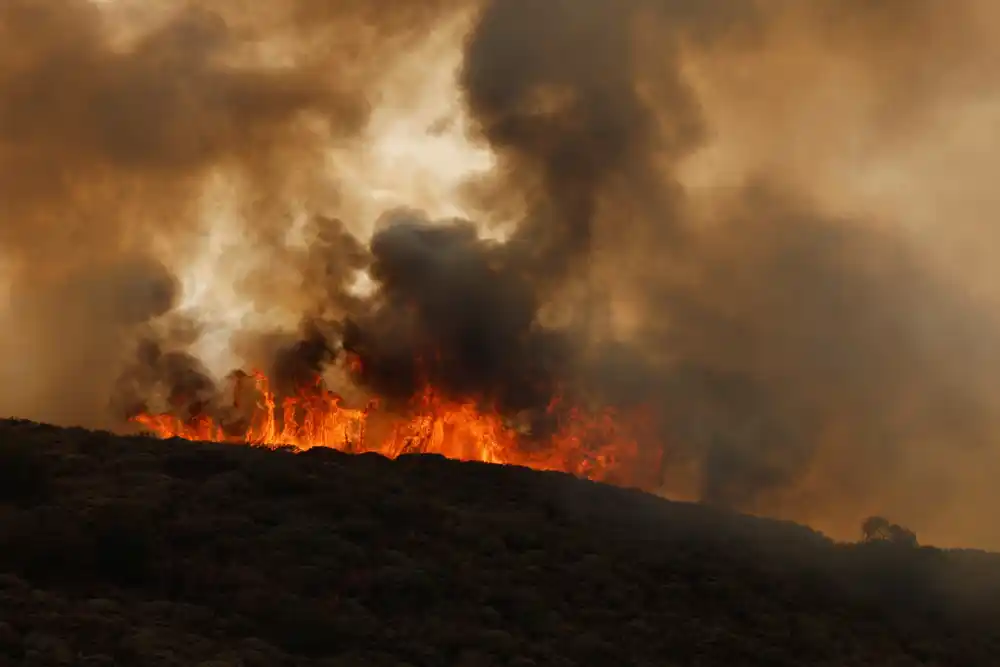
135	551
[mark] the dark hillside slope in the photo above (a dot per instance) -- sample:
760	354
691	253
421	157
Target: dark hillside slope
133	551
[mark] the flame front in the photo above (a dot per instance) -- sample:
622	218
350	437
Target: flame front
593	444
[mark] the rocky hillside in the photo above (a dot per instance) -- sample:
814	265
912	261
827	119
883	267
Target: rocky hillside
133	551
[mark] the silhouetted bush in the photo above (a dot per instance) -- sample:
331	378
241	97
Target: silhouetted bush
25	479
877	528
152	552
278	475
46	545
123	546
198	463
309	629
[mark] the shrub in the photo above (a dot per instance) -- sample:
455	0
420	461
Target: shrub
123	545
25	478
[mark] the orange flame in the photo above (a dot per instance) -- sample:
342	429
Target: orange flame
592	444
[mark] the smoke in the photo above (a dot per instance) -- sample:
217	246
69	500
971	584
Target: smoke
110	139
693	209
806	358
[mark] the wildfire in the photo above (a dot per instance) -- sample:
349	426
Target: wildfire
593	444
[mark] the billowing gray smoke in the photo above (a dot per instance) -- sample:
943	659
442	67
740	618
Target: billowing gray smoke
797	359
454	311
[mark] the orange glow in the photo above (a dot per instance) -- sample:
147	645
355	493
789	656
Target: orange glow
592	444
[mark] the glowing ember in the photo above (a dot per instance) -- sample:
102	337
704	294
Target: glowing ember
593	445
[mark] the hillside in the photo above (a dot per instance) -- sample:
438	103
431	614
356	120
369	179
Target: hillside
134	551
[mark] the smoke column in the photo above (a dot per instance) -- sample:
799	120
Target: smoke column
783	211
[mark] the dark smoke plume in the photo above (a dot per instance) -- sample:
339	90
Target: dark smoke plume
800	356
452	311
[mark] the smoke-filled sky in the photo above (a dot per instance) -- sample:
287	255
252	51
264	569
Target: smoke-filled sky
769	220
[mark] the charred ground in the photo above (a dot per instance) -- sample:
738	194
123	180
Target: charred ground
135	551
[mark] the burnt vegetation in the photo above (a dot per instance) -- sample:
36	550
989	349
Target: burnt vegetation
136	551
